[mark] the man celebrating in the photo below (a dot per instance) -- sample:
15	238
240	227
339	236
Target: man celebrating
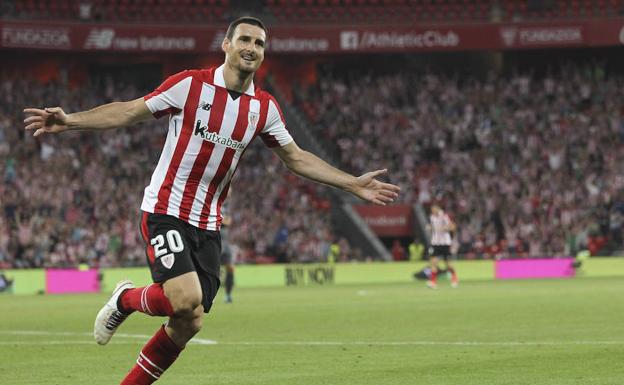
214	114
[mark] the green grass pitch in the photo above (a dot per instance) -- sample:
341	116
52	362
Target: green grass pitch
516	332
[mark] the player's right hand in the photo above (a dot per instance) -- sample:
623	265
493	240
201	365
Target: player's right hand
52	120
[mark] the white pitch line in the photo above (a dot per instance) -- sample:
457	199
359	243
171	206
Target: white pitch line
197	341
201	341
423	343
325	343
41	333
45	333
64	342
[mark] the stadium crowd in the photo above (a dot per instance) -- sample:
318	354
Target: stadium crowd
527	165
74	198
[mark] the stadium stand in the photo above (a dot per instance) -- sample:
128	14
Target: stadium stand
471	146
529	166
313	11
74	199
145	11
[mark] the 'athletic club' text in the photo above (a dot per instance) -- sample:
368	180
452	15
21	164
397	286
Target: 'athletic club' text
216	138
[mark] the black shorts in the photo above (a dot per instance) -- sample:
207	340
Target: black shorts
440	251
174	247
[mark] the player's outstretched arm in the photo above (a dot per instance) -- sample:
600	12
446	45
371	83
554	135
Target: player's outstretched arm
308	165
54	120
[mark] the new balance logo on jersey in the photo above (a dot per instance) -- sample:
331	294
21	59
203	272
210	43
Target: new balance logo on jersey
202	131
205	106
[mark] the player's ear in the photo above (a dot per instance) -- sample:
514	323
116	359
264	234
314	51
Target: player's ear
226	44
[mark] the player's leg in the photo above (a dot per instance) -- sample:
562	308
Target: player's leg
171	298
151	300
445	252
433	265
226	262
172	264
190	298
158	232
168	255
451	268
229	282
185	293
161	351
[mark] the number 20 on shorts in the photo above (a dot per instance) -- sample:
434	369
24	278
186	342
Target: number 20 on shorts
174	243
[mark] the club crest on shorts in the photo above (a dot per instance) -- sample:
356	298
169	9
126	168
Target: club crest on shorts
168	260
253	118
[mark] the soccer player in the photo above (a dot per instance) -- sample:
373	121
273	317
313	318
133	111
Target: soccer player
441	227
213	115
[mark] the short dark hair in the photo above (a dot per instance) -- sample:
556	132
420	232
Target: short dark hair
243	20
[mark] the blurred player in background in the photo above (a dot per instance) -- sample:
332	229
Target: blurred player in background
214	114
441	226
6	283
227	254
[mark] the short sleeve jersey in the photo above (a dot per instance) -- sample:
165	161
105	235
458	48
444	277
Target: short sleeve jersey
439	235
209	130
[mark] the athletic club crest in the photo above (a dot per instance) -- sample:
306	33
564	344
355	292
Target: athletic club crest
168	260
253	119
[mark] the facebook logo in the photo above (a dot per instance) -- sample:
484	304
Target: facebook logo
349	40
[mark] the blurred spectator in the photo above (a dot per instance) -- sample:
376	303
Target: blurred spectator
84	208
84	10
531	166
416	250
397	251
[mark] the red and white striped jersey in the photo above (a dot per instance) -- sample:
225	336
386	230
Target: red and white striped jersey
440	236
209	131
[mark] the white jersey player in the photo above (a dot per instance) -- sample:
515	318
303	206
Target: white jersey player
441	227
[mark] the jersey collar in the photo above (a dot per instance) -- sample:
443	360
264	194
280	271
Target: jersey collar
219	80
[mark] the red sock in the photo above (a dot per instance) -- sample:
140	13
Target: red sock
453	275
434	275
150	300
157	355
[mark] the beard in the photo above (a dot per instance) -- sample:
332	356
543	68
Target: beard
245	67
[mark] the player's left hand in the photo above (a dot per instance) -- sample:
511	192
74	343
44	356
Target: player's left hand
371	190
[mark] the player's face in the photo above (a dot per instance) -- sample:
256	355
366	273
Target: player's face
246	49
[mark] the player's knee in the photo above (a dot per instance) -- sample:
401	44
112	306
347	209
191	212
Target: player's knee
187	325
195	325
195	321
186	305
